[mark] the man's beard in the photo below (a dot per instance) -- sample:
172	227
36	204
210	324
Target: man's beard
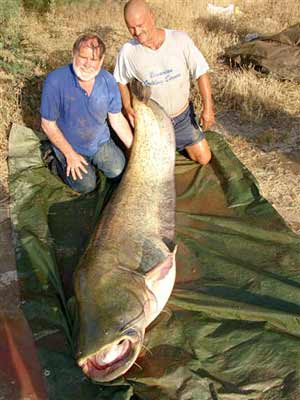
85	76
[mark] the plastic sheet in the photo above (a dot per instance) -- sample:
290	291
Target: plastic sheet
278	54
231	328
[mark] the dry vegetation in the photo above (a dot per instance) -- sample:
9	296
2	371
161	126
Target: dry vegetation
258	115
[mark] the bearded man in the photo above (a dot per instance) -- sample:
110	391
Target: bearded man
77	100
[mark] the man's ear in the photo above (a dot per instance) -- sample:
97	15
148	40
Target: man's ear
152	16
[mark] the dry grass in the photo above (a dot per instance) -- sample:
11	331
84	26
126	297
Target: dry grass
255	95
274	106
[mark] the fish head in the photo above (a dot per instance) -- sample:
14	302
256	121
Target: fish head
113	318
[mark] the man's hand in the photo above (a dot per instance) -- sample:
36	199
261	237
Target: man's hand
76	165
75	162
129	111
207	118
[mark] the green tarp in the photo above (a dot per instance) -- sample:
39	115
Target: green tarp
231	329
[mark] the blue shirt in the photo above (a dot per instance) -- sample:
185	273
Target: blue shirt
81	118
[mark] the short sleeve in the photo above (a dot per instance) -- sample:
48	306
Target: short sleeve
195	60
114	97
50	101
122	72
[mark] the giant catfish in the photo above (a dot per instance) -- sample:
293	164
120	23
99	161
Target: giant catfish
127	274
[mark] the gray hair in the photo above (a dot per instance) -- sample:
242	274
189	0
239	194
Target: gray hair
86	37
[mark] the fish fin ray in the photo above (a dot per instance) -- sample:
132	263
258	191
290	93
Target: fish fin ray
161	270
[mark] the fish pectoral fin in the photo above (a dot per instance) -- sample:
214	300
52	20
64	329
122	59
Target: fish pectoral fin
160	271
160	281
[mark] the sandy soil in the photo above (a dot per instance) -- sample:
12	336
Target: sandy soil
275	163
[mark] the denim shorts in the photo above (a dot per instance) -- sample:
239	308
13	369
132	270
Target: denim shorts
187	130
109	159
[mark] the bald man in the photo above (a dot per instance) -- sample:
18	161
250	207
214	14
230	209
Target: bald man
165	59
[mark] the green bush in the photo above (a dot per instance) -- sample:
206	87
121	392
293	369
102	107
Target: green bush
9	24
8	9
41	6
10	36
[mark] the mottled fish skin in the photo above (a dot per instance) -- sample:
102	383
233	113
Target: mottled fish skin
128	271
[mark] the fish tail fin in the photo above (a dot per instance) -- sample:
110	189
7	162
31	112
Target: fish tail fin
140	91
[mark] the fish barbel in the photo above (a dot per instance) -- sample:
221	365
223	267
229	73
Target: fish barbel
128	271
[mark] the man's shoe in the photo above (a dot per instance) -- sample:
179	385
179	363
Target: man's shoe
49	158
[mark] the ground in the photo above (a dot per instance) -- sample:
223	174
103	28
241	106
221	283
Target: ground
276	166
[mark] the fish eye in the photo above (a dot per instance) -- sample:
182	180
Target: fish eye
130	332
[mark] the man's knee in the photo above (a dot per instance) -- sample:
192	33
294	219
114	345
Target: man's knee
203	158
84	189
84	185
115	169
110	159
200	152
116	172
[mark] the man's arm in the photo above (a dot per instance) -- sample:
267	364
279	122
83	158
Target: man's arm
75	162
126	101
207	118
120	125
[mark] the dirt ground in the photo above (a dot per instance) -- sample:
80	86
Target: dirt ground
274	163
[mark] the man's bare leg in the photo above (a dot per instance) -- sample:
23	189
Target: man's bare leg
199	152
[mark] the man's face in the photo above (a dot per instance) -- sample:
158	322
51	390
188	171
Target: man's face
87	62
141	25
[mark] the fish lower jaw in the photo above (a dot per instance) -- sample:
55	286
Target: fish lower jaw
101	367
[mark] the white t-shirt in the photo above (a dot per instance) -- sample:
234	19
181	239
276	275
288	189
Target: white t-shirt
167	70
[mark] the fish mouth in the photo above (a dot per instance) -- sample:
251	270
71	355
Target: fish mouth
113	360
